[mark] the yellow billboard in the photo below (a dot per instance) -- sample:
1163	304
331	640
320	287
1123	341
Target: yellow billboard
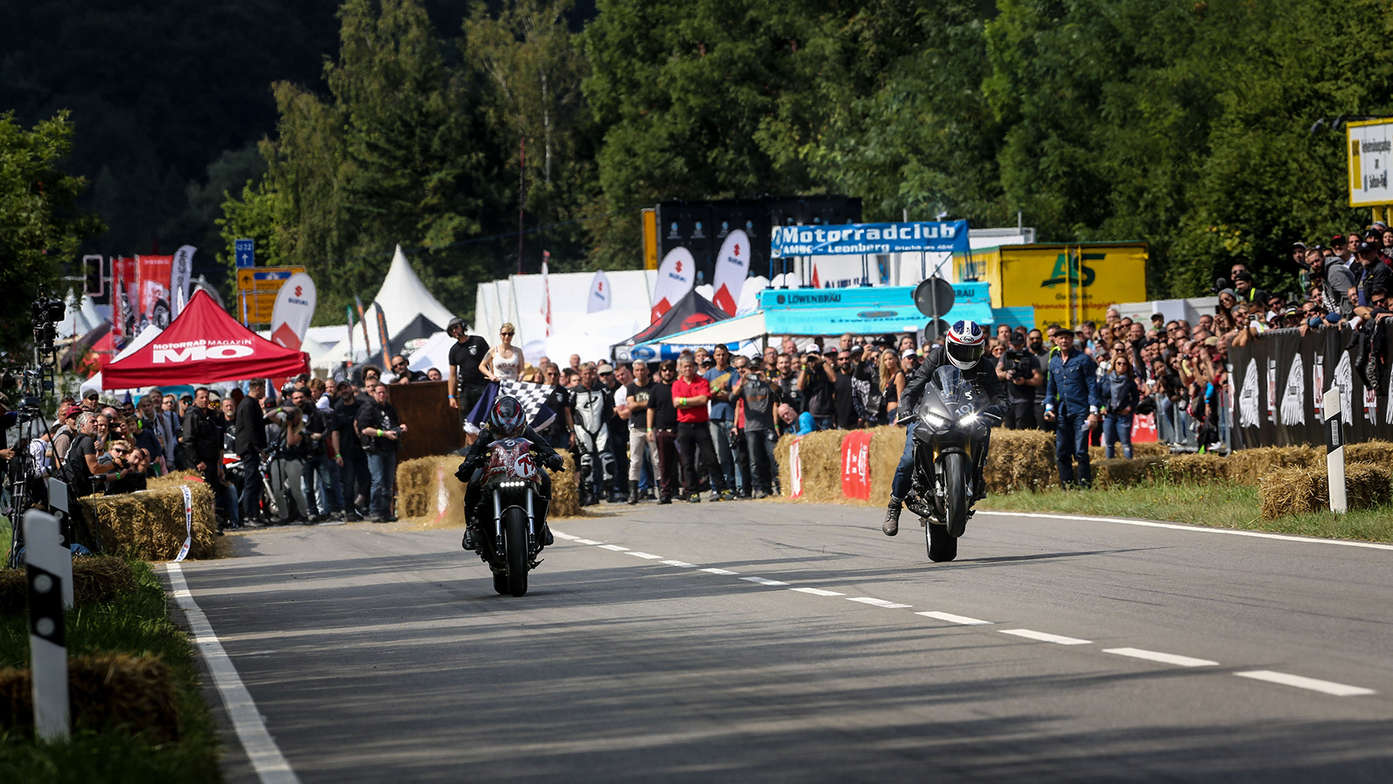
1065	283
257	288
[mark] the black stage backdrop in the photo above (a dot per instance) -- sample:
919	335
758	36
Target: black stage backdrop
1279	380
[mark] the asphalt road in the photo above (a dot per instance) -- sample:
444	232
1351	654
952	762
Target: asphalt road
1104	652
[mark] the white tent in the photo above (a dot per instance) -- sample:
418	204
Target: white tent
402	298
79	316
519	299
95	382
434	354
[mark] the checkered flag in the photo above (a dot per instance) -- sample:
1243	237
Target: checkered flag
533	399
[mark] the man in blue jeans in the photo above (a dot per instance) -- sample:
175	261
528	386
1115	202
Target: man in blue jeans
380	428
1071	399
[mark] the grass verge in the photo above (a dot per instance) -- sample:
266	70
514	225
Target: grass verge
1216	504
135	623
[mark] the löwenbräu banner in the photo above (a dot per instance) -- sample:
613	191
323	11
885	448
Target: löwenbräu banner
1279	379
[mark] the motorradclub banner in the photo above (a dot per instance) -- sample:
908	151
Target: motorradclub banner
869	238
675	279
856	464
732	269
1279	380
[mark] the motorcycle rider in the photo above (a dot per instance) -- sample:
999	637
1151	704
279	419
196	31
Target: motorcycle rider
963	347
506	419
593	405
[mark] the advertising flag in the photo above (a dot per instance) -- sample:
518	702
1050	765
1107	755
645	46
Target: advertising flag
362	319
180	277
675	278
382	336
546	292
152	283
124	299
732	268
599	293
294	308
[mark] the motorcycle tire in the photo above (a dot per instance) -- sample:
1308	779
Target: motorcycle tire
955	478
500	583
942	547
515	538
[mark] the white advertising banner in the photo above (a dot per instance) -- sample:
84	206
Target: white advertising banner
1370	147
180	277
600	293
675	277
294	309
732	267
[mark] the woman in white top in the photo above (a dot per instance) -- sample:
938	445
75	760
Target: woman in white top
503	362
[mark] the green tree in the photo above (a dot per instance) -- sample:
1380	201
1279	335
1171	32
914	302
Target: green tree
40	227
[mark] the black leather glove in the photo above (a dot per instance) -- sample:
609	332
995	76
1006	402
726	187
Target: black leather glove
555	463
465	471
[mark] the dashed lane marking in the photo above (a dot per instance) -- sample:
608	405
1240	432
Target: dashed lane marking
679	564
874	602
951	618
560	535
1300	682
817	591
578	540
1058	639
616	548
645	556
1163	658
714	570
763	580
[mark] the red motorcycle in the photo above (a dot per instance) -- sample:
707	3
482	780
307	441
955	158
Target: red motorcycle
507	515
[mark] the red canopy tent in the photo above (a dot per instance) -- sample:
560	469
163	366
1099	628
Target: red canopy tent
203	345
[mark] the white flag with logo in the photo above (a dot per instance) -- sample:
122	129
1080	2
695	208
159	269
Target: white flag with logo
294	308
546	292
180	277
732	267
599	293
675	277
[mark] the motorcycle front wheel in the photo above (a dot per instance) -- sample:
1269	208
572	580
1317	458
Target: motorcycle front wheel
500	583
942	546
515	536
955	492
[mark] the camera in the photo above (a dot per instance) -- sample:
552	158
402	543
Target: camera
1020	363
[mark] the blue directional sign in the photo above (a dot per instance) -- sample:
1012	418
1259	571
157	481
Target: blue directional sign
245	251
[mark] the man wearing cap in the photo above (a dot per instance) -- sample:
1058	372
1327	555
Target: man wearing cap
817	382
1244	291
1372	272
89	401
1071	400
467	382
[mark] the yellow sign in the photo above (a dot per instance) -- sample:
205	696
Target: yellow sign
256	291
1066	284
650	238
1370	147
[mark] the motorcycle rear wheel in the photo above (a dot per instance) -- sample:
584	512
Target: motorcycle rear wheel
955	492
515	537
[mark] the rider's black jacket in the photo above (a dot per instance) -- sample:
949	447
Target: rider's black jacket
477	450
983	375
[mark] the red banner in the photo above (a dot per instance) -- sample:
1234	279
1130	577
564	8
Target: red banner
856	464
152	283
125	300
1144	429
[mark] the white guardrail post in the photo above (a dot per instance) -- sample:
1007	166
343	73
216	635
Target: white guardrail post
44	557
1334	450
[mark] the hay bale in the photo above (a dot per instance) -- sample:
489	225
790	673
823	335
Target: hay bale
1020	460
428	492
1303	490
1097	454
105	691
887	444
820	455
96	579
565	489
1249	466
1200	468
1121	472
1376	452
149	524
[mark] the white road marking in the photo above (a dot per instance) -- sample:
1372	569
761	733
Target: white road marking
874	602
1164	658
714	570
1058	639
614	547
1193	529
583	541
1325	687
763	580
265	756
951	618
682	564
647	556
560	535
817	591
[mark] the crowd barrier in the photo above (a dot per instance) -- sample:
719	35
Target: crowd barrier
428	490
856	466
1278	381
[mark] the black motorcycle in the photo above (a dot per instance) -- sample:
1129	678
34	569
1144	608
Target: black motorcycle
509	507
951	432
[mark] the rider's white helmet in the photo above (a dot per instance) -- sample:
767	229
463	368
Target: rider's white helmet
965	343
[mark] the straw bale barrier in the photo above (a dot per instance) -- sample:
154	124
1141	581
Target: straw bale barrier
105	690
427	491
1020	460
1302	490
150	524
96	579
1145	449
1121	472
1196	468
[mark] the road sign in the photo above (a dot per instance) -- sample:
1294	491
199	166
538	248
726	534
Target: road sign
934	297
259	286
245	251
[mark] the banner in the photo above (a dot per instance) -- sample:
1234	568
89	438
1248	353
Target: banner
599	293
795	469
180	277
152	276
124	299
546	292
732	268
1144	429
363	321
382	336
674	281
1280	377
294	308
869	238
856	464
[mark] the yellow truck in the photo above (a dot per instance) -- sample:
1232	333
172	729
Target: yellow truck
1066	283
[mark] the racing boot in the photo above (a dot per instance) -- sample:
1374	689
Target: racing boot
891	526
544	503
633	493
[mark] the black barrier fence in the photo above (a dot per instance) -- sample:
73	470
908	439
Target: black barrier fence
1279	380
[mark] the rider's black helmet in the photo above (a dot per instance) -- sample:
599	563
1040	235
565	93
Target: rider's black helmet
507	418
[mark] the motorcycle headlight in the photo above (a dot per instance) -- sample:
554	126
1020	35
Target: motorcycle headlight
969	419
936	422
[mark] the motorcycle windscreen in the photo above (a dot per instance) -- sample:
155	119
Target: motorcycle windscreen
959	396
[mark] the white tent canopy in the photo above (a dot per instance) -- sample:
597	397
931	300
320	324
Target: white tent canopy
434	354
401	299
519	299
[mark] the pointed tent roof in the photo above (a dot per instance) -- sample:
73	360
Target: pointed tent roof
693	310
203	344
403	297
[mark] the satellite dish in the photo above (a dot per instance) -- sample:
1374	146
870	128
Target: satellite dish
934	296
